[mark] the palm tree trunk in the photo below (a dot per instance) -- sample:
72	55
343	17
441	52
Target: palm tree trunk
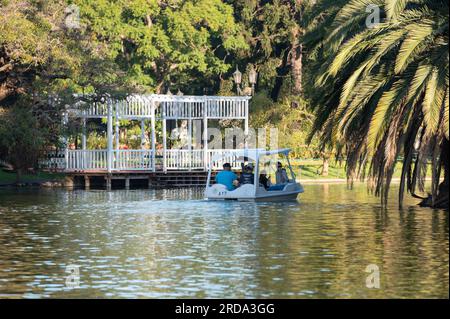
442	200
325	166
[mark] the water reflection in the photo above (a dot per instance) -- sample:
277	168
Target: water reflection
171	243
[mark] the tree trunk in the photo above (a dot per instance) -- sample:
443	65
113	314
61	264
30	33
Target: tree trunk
442	200
18	175
296	61
325	166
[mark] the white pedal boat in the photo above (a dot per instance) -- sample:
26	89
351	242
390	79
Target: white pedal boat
250	192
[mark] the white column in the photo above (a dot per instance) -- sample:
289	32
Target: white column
117	131
65	121
142	134
83	141
164	128
205	134
190	142
83	134
246	124
153	124
109	134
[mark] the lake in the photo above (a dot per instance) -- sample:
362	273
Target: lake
173	244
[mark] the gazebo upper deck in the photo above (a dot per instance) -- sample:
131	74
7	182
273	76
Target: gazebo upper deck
168	107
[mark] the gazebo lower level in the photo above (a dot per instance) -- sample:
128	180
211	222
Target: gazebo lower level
156	109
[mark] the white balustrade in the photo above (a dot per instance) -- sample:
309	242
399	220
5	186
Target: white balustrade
130	160
142	160
86	160
170	107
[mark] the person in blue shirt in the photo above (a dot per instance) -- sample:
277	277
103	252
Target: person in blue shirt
226	177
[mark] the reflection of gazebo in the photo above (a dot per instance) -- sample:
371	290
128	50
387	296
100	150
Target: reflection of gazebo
182	113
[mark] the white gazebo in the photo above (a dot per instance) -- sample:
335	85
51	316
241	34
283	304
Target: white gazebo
153	108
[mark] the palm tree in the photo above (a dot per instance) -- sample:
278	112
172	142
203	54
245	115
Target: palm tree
382	91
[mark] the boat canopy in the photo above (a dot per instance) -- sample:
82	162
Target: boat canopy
253	154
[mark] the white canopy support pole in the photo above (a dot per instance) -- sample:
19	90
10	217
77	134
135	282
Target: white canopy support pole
290	168
205	133
153	136
109	134
256	173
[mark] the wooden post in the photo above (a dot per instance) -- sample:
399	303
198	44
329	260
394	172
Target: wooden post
87	182
109	135
127	183
108	182
153	136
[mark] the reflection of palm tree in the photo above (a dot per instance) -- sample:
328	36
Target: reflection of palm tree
385	88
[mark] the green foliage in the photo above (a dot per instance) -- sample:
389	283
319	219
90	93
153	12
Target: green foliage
381	92
164	43
292	119
22	138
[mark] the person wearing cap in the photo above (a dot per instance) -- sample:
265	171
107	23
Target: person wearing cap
281	175
247	176
264	180
226	177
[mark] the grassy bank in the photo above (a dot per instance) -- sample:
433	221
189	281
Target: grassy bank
311	169
8	177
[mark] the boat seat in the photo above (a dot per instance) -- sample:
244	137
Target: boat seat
276	187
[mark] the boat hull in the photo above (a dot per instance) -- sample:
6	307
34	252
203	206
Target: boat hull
251	193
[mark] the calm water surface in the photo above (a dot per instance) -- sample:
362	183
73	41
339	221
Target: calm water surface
171	243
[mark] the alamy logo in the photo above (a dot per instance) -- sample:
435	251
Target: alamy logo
373	19
73	280
373	279
72	20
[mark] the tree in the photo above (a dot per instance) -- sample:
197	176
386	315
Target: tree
22	138
162	43
383	90
274	29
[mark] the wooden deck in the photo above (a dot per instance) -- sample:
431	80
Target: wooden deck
132	179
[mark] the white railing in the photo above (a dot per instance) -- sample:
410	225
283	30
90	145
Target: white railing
95	110
226	108
134	106
184	159
142	160
169	107
86	159
130	160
